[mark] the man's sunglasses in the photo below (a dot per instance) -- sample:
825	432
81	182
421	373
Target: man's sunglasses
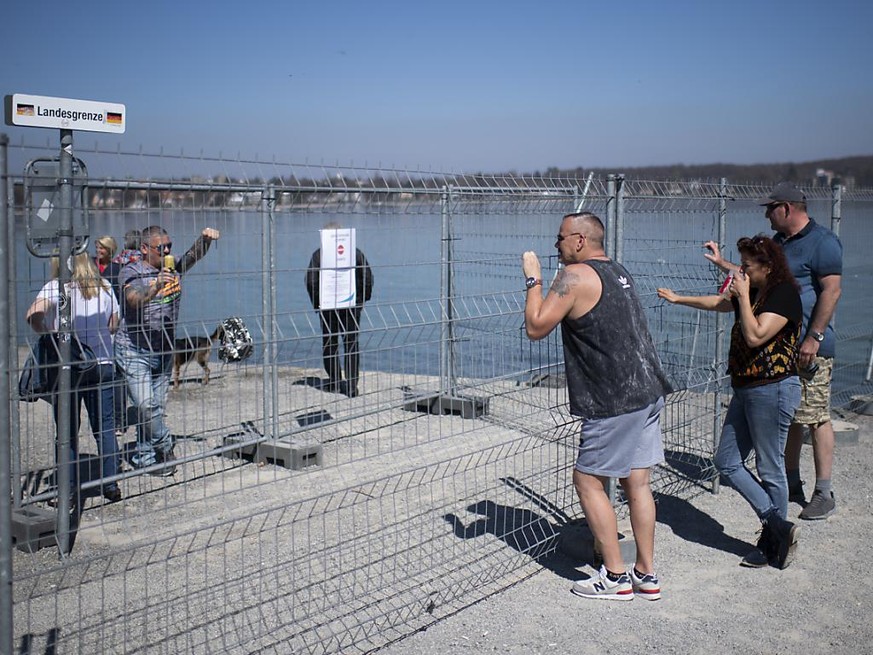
164	247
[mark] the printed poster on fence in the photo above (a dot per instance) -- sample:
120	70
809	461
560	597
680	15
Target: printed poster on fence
337	278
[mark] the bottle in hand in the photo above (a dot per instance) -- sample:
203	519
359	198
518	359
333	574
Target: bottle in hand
727	283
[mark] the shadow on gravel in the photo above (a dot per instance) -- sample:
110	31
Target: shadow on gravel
524	530
690	524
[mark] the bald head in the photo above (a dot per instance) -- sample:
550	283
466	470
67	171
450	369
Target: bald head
588	224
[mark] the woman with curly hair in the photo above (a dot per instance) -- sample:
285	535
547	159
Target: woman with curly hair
762	363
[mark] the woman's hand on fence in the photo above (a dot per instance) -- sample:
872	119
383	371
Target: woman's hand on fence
714	254
668	294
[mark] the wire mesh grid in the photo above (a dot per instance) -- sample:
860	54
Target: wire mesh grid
413	511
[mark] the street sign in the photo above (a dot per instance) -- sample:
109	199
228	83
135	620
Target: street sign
337	274
44	207
65	113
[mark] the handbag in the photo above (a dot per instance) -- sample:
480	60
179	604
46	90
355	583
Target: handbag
32	383
41	370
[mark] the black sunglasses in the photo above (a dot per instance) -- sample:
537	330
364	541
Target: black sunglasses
561	237
164	247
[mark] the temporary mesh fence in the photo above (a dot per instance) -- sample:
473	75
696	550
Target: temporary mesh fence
303	517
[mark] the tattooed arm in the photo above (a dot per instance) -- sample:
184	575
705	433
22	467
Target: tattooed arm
568	296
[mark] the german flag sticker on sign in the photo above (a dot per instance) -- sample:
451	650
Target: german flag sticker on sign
113	118
24	110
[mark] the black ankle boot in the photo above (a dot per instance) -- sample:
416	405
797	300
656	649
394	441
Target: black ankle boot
785	535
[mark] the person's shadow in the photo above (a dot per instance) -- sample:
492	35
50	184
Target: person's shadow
46	479
523	530
686	521
535	535
689	523
323	384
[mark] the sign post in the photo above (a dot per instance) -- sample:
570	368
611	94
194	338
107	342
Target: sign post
67	115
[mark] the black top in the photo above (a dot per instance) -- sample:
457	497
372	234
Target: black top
776	359
363	279
612	365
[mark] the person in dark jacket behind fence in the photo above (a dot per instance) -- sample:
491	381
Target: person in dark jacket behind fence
343	322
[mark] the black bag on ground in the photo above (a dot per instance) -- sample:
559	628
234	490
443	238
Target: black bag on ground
39	375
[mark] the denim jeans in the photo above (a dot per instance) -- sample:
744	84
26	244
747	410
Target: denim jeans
758	419
148	380
98	399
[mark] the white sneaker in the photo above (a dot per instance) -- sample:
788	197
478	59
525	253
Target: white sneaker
647	586
600	586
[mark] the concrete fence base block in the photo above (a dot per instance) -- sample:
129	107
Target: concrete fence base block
579	544
33	528
862	405
440	403
289	455
845	433
242	450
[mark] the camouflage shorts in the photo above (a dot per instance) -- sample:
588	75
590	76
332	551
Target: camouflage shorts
815	395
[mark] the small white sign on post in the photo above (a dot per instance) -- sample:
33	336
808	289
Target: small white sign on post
65	113
337	275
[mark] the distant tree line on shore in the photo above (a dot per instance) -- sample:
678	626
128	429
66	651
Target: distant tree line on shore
221	191
849	171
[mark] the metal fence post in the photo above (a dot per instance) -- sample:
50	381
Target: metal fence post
610	215
619	218
268	297
718	356
836	208
447	360
8	218
614	218
836	218
5	417
64	399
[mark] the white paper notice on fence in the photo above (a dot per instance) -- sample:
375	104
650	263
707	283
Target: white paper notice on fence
337	275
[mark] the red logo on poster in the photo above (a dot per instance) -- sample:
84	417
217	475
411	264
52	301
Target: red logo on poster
340	250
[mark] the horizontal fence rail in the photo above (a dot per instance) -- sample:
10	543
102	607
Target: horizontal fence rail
304	519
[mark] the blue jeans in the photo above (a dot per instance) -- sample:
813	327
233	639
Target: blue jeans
758	419
99	402
148	380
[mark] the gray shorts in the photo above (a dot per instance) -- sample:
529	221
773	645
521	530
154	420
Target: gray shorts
611	447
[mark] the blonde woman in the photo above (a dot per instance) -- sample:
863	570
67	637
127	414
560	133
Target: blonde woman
105	248
94	319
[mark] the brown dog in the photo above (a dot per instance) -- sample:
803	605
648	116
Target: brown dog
194	348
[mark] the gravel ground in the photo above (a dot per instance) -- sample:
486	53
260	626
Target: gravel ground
710	604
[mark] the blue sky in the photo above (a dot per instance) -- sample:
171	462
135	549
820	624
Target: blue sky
462	86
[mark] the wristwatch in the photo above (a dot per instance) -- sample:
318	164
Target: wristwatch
818	336
531	282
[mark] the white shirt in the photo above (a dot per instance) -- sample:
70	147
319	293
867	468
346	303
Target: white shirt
90	316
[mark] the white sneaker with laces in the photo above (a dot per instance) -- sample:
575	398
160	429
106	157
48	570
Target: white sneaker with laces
600	586
647	586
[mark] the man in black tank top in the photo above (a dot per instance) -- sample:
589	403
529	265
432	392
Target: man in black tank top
615	385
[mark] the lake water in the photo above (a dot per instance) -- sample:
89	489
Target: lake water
401	329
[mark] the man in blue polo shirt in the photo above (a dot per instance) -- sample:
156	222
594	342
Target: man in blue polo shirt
816	259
